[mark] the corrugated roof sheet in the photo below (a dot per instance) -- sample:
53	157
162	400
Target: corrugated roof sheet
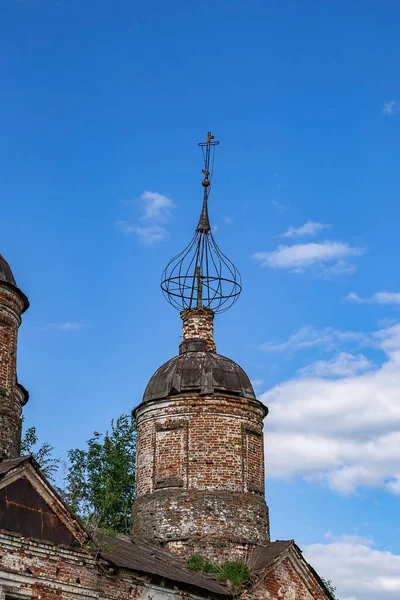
131	553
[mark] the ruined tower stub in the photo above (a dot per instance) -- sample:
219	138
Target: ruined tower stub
200	454
200	457
13	396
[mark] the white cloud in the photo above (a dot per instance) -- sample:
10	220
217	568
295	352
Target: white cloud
352	297
299	257
344	364
156	209
148	234
356	568
308	337
228	220
257	383
280	207
310	228
345	431
66	326
340	268
386	322
391	108
377	298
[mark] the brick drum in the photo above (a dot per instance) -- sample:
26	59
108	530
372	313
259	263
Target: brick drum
200	468
12	395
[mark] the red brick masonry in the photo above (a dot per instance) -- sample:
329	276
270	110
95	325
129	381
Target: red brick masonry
200	475
11	395
198	323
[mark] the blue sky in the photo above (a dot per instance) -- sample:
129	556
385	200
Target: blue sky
101	109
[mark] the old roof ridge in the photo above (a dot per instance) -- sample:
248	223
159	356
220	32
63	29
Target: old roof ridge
12	463
157	561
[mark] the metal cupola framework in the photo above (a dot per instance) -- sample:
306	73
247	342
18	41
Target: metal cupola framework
201	276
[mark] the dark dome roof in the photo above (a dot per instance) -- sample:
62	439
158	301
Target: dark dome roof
6	273
197	371
6	276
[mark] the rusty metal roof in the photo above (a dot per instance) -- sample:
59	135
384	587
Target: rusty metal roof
198	372
8	465
131	553
267	554
6	273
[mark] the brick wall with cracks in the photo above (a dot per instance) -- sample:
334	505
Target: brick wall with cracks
200	475
33	569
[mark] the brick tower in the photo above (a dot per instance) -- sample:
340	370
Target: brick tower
13	396
200	456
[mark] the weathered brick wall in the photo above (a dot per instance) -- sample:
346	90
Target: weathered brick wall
208	442
42	570
288	580
34	569
200	474
218	525
198	323
10	413
11	308
10	318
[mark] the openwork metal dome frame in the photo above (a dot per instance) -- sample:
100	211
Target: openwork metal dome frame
202	276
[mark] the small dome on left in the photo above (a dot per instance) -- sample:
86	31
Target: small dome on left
5	272
6	276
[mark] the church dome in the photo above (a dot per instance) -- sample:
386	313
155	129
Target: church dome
6	273
199	372
7	277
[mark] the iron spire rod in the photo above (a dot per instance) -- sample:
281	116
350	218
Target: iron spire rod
207	145
201	276
204	221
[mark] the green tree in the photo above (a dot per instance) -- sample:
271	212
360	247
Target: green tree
43	454
328	583
99	481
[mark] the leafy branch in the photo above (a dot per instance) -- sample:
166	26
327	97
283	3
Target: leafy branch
43	455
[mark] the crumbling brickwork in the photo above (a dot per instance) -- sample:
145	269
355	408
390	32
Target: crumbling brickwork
10	319
34	569
290	579
12	396
10	414
200	475
198	323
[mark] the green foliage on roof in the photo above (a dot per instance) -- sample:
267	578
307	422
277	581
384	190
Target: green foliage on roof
236	573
